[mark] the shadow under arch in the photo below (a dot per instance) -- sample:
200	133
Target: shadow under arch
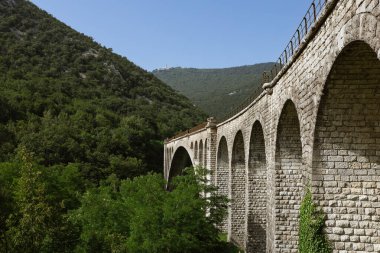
181	160
257	191
346	146
238	183
196	150
205	159
288	178
222	173
200	156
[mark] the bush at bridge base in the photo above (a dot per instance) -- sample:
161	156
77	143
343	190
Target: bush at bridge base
312	221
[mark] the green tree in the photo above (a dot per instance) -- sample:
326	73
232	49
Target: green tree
140	215
40	199
8	173
29	228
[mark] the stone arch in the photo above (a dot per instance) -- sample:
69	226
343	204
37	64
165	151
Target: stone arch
238	181
166	155
288	179
257	191
361	27
346	147
205	160
200	150
222	172
180	161
196	150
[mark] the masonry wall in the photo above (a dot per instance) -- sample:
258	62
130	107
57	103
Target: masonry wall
342	162
346	177
200	155
257	192
222	174
288	180
237	223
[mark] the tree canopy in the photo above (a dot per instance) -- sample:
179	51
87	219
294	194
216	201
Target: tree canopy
68	100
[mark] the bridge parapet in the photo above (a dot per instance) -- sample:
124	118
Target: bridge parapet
313	19
309	22
317	125
199	143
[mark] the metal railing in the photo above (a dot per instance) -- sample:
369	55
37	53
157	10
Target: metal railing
189	131
303	29
243	105
306	25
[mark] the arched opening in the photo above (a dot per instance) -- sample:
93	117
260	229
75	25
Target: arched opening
168	157
288	179
201	153
181	160
346	152
257	191
205	155
238	190
222	175
196	150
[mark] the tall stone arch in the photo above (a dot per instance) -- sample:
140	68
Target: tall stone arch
196	150
222	173
200	150
181	160
346	153
205	157
237	226
288	179
257	192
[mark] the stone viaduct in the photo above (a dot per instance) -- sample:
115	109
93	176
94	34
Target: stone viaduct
315	124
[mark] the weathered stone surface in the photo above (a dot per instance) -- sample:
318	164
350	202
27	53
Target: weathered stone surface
319	126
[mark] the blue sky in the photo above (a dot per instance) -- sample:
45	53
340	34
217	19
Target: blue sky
186	33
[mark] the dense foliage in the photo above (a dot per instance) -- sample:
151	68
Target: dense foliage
34	205
216	91
139	215
69	100
312	222
133	215
76	121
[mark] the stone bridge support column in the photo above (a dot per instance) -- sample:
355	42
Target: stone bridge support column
166	160
210	149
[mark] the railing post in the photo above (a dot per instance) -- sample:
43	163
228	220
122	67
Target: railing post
291	45
314	11
286	56
303	29
299	37
265	77
304	19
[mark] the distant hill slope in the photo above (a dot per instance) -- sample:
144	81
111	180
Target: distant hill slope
71	101
216	91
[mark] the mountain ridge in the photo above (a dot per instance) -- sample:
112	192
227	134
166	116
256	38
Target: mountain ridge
215	90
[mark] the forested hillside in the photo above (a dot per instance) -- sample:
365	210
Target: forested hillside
69	100
78	124
216	91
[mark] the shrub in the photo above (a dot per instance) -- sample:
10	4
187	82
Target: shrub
312	221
